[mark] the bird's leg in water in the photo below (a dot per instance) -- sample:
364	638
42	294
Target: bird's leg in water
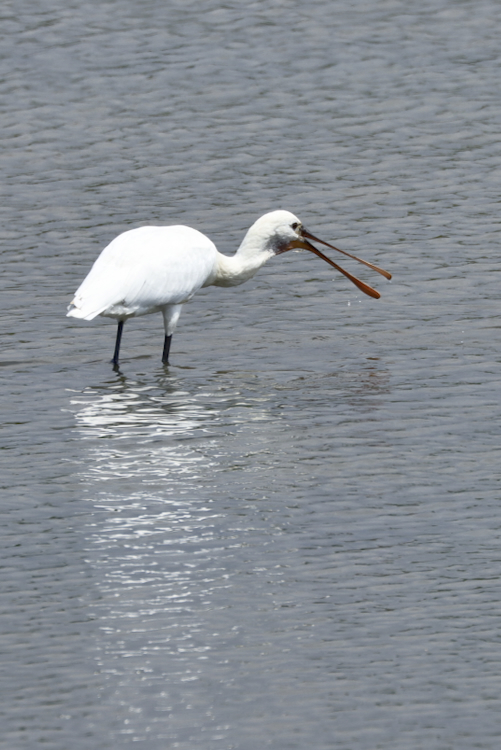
165	355
171	315
114	361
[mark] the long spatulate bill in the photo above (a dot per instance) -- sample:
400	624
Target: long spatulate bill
305	245
310	236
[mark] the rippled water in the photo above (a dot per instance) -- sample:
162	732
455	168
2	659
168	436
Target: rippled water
290	538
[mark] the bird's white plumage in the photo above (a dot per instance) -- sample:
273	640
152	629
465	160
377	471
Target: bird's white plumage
143	270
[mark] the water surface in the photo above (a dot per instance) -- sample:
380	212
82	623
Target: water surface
290	537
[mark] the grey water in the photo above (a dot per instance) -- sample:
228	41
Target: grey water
291	537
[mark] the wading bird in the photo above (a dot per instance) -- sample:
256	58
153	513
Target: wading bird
158	269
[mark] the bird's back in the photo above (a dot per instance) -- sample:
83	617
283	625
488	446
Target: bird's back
143	270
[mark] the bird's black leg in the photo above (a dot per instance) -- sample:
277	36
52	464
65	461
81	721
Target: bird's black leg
165	355
114	361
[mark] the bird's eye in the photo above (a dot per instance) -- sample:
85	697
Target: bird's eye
295	225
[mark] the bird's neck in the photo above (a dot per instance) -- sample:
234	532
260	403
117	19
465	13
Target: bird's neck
234	270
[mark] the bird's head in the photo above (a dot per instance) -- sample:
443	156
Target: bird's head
280	231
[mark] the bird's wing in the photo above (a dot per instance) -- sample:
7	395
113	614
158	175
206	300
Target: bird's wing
144	269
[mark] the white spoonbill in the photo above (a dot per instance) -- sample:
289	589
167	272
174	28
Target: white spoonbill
158	269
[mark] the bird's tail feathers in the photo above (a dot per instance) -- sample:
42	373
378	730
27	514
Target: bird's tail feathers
77	310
